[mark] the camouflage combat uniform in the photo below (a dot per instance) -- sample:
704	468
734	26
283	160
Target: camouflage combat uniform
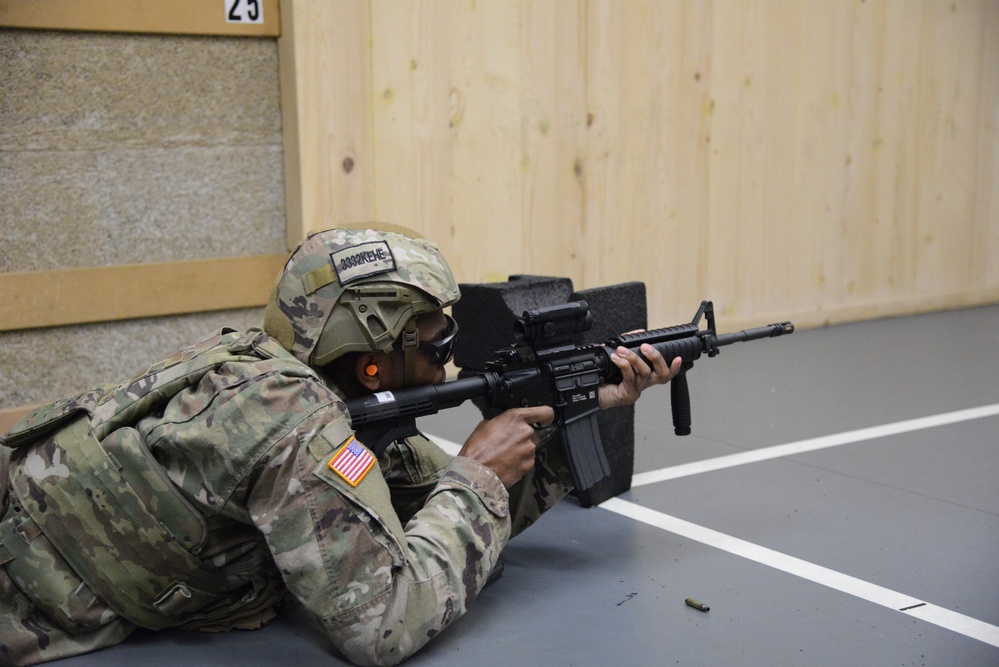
246	444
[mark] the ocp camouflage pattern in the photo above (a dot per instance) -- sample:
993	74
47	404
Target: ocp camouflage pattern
243	432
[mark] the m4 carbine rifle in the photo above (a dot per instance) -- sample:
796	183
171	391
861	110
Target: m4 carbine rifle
545	367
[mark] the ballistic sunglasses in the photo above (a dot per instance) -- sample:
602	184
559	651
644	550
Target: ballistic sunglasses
441	350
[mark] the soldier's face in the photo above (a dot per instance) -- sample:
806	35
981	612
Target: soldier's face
432	327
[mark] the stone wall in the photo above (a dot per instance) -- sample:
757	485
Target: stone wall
129	149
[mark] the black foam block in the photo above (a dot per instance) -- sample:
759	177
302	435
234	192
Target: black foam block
616	309
486	314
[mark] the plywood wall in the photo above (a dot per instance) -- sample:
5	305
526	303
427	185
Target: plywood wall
822	161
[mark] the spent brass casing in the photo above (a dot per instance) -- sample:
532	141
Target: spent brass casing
699	606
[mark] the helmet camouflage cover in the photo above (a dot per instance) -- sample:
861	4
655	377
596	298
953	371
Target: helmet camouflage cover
354	289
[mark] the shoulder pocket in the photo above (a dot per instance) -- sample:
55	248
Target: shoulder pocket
370	495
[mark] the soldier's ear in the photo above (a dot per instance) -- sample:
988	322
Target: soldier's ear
368	372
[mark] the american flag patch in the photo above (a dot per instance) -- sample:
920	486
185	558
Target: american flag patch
352	461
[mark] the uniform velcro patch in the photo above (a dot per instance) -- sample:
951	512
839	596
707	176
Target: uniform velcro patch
352	461
362	260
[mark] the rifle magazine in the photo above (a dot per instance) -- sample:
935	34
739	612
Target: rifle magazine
585	452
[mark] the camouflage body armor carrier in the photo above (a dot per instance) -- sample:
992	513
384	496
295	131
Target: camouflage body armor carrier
95	530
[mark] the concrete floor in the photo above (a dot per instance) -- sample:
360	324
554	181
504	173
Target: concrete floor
836	504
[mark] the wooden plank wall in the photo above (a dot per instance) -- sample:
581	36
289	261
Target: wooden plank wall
821	161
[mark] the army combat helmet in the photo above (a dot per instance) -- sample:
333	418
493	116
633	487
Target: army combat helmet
357	288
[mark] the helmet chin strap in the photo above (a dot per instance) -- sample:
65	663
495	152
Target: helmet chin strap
410	343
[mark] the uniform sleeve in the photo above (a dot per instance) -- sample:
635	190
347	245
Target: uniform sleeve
381	590
412	469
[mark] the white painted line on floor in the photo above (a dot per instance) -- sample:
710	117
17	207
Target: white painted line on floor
945	618
885	597
813	444
451	448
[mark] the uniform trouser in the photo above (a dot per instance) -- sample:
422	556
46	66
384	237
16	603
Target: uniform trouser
27	636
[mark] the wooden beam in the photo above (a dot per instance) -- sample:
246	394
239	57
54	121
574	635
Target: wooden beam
253	18
326	108
76	296
288	72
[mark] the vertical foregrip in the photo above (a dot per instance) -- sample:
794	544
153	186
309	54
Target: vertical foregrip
680	402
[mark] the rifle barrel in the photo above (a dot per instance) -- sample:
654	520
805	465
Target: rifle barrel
768	331
381	418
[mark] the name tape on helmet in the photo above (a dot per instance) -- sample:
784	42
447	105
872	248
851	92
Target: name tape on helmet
362	260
